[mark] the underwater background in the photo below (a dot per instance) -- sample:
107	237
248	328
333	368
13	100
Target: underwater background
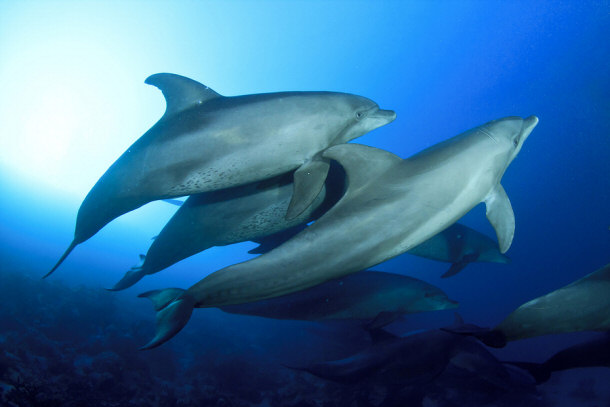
73	99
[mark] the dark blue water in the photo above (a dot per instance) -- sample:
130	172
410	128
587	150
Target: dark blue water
73	100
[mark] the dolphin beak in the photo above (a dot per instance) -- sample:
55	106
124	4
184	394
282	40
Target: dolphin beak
387	116
527	127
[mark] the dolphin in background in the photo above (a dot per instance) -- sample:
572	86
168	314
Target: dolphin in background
366	295
206	142
232	215
405	202
591	353
583	305
458	244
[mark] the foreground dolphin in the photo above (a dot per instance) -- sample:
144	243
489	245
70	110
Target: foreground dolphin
232	215
206	142
366	295
592	353
390	206
583	305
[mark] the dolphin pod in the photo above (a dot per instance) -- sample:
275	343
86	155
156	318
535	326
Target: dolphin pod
206	142
405	201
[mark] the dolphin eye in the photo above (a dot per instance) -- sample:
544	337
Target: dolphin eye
516	142
360	115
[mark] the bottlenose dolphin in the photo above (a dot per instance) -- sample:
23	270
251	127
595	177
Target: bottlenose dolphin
583	305
404	202
232	215
206	142
592	353
366	295
416	358
458	244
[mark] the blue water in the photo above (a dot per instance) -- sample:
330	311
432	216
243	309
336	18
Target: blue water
73	99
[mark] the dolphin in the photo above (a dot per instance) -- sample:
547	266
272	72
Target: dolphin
365	295
591	353
205	142
583	305
458	244
232	215
414	359
390	206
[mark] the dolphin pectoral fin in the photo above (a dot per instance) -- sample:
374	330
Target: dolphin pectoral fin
362	164
131	277
460	265
175	202
308	182
454	269
500	214
62	258
180	92
174	307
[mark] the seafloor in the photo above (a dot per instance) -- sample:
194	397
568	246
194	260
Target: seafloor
65	346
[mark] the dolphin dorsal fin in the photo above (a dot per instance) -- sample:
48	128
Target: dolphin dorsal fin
180	92
362	163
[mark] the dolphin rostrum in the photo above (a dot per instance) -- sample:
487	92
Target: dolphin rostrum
206	142
404	202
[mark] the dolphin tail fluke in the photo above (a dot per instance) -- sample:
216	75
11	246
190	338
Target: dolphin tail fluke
174	307
132	276
539	371
63	257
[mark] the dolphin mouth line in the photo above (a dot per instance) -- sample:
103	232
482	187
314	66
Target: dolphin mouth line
488	134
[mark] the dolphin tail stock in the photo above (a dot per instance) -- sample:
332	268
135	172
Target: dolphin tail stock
62	258
132	276
539	371
174	307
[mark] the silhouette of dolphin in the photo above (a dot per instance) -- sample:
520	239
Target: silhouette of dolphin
404	201
206	142
591	353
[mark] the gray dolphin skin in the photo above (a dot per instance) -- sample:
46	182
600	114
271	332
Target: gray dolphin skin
232	215
206	142
365	295
460	245
583	305
404	201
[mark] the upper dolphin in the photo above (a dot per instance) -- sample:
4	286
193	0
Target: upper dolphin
390	206
206	141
